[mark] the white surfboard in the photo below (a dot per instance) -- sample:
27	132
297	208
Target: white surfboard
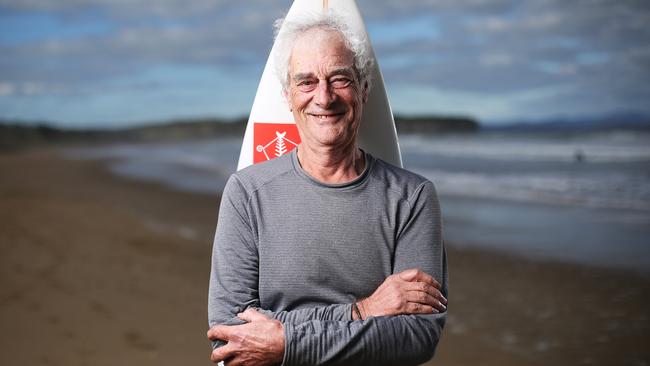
271	130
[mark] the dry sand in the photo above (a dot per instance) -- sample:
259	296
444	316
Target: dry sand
99	270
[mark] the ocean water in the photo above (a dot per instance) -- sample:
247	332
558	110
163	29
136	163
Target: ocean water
580	199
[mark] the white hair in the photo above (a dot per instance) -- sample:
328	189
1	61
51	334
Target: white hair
288	32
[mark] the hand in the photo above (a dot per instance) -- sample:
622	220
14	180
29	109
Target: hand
258	342
409	292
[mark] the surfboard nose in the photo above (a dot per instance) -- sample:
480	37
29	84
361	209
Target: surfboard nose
377	133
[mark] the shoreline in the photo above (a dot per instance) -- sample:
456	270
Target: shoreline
581	233
89	258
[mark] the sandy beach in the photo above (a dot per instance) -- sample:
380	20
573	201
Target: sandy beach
100	270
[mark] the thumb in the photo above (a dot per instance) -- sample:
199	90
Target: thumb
252	315
408	274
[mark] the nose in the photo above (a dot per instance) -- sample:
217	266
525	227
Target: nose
324	96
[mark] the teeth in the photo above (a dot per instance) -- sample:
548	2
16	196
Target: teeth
323	116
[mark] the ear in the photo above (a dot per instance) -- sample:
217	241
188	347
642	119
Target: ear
365	92
285	94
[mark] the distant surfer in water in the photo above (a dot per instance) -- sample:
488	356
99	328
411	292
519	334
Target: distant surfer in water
326	255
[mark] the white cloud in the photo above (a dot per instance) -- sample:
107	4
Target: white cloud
28	88
495	59
489	24
32	88
6	89
543	22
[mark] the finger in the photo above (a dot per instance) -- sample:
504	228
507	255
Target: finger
417	308
221	332
237	361
424	287
408	274
222	353
424	298
252	315
417	275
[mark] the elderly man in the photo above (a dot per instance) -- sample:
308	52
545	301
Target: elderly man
327	255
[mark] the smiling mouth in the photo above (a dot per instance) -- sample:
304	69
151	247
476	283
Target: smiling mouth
325	116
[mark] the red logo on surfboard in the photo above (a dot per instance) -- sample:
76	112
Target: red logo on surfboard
271	140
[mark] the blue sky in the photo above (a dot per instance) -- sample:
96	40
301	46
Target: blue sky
116	63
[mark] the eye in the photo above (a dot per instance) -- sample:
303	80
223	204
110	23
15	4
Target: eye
306	85
340	82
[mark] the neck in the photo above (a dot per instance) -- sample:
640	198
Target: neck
332	165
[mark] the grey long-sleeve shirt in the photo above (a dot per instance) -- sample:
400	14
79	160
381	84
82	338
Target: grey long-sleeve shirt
303	251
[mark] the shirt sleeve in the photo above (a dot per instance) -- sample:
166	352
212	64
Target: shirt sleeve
341	312
390	340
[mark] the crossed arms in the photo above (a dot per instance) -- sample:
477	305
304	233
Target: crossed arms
400	323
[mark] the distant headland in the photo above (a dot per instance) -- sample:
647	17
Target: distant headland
17	134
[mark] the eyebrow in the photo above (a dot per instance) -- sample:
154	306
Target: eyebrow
303	76
349	71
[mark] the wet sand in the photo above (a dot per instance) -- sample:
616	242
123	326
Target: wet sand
99	270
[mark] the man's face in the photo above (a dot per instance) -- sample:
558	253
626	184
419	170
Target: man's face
324	94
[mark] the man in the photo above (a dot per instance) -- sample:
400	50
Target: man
326	255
